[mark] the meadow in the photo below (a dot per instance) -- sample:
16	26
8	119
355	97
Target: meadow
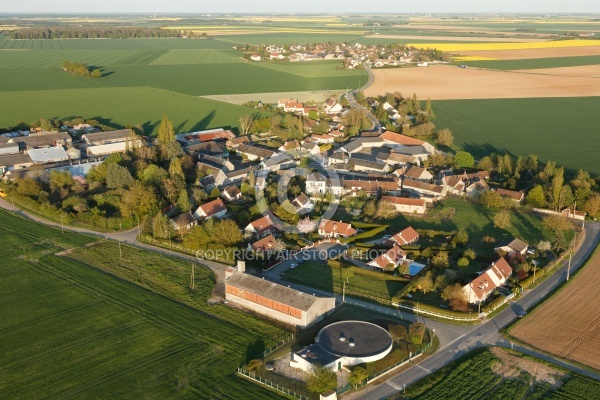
70	330
500	374
559	129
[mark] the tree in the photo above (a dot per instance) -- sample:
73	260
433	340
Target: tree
321	379
96	74
556	187
462	236
582	180
279	245
360	97
385	210
139	200
117	177
502	219
455	296
463	159
166	133
358	376
490	199
215	192
470	253
544	245
592	205
183	201
160	226
306	225
559	226
312	114
463	262
429	110
226	232
445	137
425	283
175	169
485	164
369	209
440	260
536	197
246	122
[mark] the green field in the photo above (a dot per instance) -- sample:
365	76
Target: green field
535	63
123	106
34	86
282	38
472	377
559	129
69	330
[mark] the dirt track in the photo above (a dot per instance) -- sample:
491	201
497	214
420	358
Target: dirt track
568	324
445	82
535	53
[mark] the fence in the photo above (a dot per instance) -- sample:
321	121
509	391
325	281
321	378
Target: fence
274	385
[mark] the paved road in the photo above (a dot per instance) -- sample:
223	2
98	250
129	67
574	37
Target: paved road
488	333
130	237
353	103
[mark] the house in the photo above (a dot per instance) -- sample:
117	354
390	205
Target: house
322	139
513	246
48	155
254	153
406	205
260	228
255	57
238	175
476	188
396	140
428	191
208	169
276	301
184	222
302	204
334	229
293	106
418	174
397	159
290	146
494	276
360	164
317	184
204	136
454	184
231	193
418	153
12	162
233	143
394	256
370	186
306	110
264	245
100	138
310	148
333	107
217	162
515	196
215	208
405	237
337	130
276	56
42	139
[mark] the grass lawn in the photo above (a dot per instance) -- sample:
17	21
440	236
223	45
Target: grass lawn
71	330
324	277
558	129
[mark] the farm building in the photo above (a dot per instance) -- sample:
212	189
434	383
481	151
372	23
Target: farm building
418	174
48	155
42	139
100	138
344	343
481	287
111	148
11	162
9	148
429	192
406	205
276	301
191	138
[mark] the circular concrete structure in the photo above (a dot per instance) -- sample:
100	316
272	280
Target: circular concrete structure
356	341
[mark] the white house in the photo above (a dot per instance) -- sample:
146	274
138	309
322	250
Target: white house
302	203
406	205
333	107
481	287
260	228
418	174
394	256
513	246
184	221
405	237
255	57
334	229
231	193
215	208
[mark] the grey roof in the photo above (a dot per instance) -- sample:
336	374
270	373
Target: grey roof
256	151
240	172
316	355
184	219
272	291
517	245
50	154
120	135
42	139
9	148
418	185
411	150
380	166
210	148
369	339
14	159
277	159
217	162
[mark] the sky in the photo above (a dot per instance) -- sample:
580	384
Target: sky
303	6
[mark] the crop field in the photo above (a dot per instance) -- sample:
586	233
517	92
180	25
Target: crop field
499	374
71	331
113	44
445	82
562	130
567	324
143	106
454	47
533	63
292	37
554	52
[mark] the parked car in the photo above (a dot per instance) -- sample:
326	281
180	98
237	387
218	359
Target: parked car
522	314
294	265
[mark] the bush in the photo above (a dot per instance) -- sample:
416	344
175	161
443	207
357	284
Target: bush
416	331
493	304
364	235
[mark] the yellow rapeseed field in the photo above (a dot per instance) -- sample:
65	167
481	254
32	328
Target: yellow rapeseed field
474	58
506	46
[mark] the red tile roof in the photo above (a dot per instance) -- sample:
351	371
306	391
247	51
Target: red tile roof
510	194
406	236
485	284
393	255
264	244
404	201
401	139
213	207
340	227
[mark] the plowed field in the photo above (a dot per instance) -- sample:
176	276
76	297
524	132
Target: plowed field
568	324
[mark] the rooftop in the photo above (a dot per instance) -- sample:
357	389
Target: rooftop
119	135
50	154
354	339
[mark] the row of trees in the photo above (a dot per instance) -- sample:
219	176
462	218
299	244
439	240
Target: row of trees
80	69
91	32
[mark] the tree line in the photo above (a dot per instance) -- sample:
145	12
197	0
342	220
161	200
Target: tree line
80	69
91	32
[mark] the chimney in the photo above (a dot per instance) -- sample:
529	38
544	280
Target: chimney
241	266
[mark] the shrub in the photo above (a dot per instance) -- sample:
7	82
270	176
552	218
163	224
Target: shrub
416	331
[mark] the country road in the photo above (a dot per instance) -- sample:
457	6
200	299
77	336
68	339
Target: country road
375	125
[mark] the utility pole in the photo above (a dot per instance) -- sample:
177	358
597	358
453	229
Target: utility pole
62	229
138	218
571	256
343	292
192	279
